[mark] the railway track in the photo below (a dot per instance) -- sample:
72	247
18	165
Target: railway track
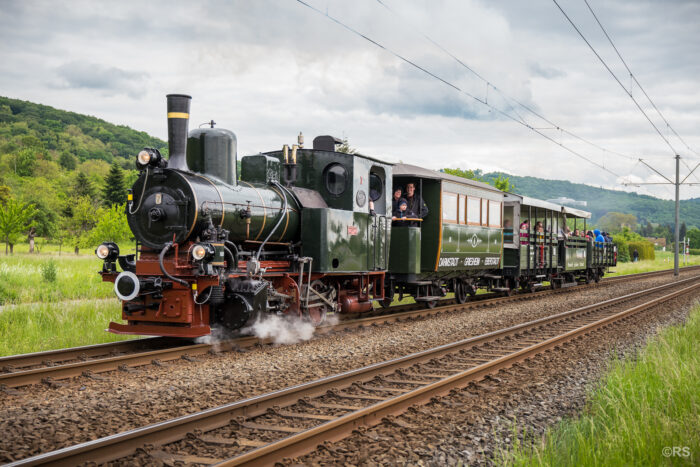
52	366
294	421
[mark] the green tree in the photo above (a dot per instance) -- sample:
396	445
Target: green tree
15	217
616	221
694	236
24	162
83	187
345	147
111	227
84	219
470	174
503	183
4	194
682	231
114	191
67	161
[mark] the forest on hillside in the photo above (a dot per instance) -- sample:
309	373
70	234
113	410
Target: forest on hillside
61	173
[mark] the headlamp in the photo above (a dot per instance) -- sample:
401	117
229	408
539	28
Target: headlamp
202	251
143	158
108	251
150	157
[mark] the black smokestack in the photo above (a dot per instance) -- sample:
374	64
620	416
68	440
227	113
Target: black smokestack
178	123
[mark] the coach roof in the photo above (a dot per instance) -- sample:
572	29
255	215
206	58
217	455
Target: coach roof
408	170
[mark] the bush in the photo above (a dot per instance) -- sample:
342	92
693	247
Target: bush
623	251
48	271
645	250
694	251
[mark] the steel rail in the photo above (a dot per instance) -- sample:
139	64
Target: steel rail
125	444
158	351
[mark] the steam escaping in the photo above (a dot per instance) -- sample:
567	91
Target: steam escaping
284	329
219	335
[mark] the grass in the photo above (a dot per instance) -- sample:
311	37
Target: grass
26	278
664	260
45	326
641	406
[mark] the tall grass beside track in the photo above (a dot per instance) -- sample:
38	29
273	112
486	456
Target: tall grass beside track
642	409
23	281
55	325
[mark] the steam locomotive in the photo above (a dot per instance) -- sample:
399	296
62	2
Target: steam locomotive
308	233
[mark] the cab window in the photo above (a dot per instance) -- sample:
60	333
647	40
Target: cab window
336	179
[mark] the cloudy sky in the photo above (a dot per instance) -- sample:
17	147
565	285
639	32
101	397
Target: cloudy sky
268	69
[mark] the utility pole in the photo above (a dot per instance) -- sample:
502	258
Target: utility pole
678	212
677	184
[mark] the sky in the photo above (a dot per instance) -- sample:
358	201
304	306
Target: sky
268	70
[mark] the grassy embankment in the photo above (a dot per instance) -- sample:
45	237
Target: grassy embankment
664	260
41	314
641	410
37	314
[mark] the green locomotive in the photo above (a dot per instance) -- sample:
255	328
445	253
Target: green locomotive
308	232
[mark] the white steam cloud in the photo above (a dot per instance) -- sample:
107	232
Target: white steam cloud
284	329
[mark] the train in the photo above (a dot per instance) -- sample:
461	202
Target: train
307	233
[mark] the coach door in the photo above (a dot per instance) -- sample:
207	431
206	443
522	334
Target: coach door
378	235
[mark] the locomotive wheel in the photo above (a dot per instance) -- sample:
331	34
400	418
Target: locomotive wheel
460	292
316	315
596	278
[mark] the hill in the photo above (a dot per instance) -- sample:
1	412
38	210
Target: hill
600	200
59	160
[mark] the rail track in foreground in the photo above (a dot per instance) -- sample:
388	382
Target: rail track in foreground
52	366
294	421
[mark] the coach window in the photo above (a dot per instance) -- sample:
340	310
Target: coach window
336	179
494	214
484	212
473	210
462	208
449	207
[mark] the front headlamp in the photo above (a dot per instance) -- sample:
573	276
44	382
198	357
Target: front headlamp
202	251
150	157
143	158
108	251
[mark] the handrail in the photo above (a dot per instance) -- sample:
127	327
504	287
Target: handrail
412	219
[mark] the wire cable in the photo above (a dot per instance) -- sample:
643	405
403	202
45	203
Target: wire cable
507	97
453	86
635	79
668	143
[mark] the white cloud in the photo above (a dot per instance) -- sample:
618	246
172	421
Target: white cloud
267	70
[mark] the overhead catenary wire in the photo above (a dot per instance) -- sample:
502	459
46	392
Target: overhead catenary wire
595	52
637	81
453	86
507	97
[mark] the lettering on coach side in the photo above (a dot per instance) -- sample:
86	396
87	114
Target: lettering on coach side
493	261
472	261
449	262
